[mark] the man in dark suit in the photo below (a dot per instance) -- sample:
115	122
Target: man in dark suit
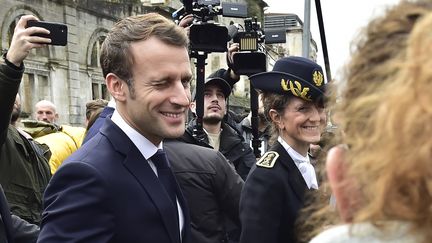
118	186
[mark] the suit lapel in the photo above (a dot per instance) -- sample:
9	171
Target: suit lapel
138	166
294	176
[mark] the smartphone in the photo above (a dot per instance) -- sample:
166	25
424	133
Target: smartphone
58	32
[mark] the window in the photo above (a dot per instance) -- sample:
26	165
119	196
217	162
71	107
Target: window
96	51
34	88
100	91
27	91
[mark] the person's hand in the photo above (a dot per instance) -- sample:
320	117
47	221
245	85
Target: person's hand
185	22
233	48
23	41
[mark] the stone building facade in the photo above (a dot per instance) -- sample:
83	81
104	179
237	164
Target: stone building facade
70	76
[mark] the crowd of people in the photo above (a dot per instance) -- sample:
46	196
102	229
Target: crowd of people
141	171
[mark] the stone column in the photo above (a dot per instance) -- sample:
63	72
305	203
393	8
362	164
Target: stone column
70	15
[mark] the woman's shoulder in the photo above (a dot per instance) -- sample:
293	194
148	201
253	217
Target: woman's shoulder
397	232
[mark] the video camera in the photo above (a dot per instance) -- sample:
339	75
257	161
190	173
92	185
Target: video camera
250	37
205	34
251	58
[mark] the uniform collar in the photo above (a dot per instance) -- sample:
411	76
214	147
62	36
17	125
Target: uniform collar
302	163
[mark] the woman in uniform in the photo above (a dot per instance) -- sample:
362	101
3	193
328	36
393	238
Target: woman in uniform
292	95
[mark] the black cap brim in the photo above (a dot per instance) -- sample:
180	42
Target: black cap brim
261	81
220	82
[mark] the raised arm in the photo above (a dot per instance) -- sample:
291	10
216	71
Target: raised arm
12	68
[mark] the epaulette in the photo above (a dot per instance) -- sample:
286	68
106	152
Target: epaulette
268	160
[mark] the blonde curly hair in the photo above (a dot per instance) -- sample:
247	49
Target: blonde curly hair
384	111
392	166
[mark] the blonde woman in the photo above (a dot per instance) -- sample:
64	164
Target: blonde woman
382	180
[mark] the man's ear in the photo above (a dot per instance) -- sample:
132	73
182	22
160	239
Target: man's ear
116	87
337	175
276	118
193	107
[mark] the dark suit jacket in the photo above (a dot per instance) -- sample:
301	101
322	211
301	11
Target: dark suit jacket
270	201
107	192
94	129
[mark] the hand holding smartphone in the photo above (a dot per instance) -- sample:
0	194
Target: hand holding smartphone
58	31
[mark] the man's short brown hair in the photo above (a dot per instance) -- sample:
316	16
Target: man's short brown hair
116	56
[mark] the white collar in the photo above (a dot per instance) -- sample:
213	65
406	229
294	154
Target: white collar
296	156
146	147
302	163
112	103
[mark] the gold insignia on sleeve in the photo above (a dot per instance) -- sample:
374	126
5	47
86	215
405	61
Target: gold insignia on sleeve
318	78
268	160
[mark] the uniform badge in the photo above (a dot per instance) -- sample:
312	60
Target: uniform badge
318	78
268	160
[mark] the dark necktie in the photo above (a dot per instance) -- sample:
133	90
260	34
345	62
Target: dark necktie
5	215
165	175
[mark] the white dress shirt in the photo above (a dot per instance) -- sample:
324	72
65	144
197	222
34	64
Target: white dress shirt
303	165
147	149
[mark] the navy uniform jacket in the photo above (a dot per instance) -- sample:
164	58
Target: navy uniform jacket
107	192
271	200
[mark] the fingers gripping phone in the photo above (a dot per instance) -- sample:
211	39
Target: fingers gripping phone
58	32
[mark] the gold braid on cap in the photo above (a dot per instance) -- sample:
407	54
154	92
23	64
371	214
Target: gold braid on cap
296	91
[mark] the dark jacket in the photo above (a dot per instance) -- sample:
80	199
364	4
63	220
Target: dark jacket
271	200
13	229
232	146
211	187
107	192
94	129
24	173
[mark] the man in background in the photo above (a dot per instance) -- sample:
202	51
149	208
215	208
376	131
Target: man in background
62	140
217	133
46	111
24	173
